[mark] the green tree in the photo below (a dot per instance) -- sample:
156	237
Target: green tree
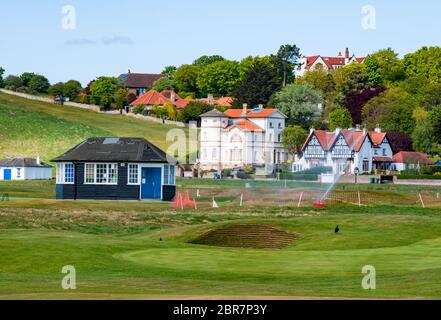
121	97
423	136
169	71
425	62
293	138
103	89
318	79
219	78
257	85
204	61
56	89
299	102
72	89
186	78
39	84
193	110
13	82
248	63
171	110
339	117
392	110
2	71
26	77
384	68
164	84
351	78
286	59
434	117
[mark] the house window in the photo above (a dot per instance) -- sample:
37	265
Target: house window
365	165
101	173
271	125
169	175
89	176
384	152
280	125
133	174
278	138
18	173
214	154
65	173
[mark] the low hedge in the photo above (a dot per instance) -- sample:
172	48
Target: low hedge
298	176
418	177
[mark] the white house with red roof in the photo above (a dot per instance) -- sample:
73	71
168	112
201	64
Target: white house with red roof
345	151
242	137
327	63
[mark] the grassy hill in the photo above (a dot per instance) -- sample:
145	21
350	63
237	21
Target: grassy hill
29	128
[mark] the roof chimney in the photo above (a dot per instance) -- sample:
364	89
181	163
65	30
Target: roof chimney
244	110
364	130
337	131
38	160
347	53
378	129
311	130
173	97
210	99
339	54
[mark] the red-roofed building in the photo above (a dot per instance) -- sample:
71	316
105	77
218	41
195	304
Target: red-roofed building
242	137
405	160
346	151
327	63
153	97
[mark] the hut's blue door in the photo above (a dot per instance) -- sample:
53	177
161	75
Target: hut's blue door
151	183
7	175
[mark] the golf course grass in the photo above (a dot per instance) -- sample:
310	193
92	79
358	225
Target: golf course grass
140	250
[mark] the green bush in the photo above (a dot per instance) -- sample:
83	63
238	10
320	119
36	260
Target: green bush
138	109
419	176
430	169
298	176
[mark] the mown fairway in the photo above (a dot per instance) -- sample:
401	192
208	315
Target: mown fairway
29	128
116	250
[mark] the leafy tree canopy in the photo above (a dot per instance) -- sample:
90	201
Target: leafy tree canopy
169	71
186	78
340	117
104	86
257	85
293	138
204	61
56	89
286	59
13	82
352	78
219	78
299	102
193	110
72	89
318	79
384	68
425	62
39	83
164	84
26	77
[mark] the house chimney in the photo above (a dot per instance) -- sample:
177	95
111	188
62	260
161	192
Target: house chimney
210	99
337	131
339	54
364	130
378	129
260	106
38	160
347	53
311	130
357	127
173	97
244	110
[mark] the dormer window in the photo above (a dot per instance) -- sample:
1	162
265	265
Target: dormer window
271	125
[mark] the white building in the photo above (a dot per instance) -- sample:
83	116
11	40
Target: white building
326	63
244	137
24	169
346	150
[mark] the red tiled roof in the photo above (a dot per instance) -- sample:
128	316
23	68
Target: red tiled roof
310	60
150	98
360	59
354	139
168	93
262	113
224	101
382	159
377	137
245	125
181	103
412	157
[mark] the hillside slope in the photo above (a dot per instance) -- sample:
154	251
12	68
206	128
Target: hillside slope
29	128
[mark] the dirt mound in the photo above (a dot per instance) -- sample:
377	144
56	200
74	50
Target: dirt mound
260	236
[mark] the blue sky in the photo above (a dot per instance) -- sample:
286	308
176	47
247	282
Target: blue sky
144	36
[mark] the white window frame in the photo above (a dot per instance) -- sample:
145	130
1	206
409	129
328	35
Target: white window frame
61	173
169	175
138	180
107	173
